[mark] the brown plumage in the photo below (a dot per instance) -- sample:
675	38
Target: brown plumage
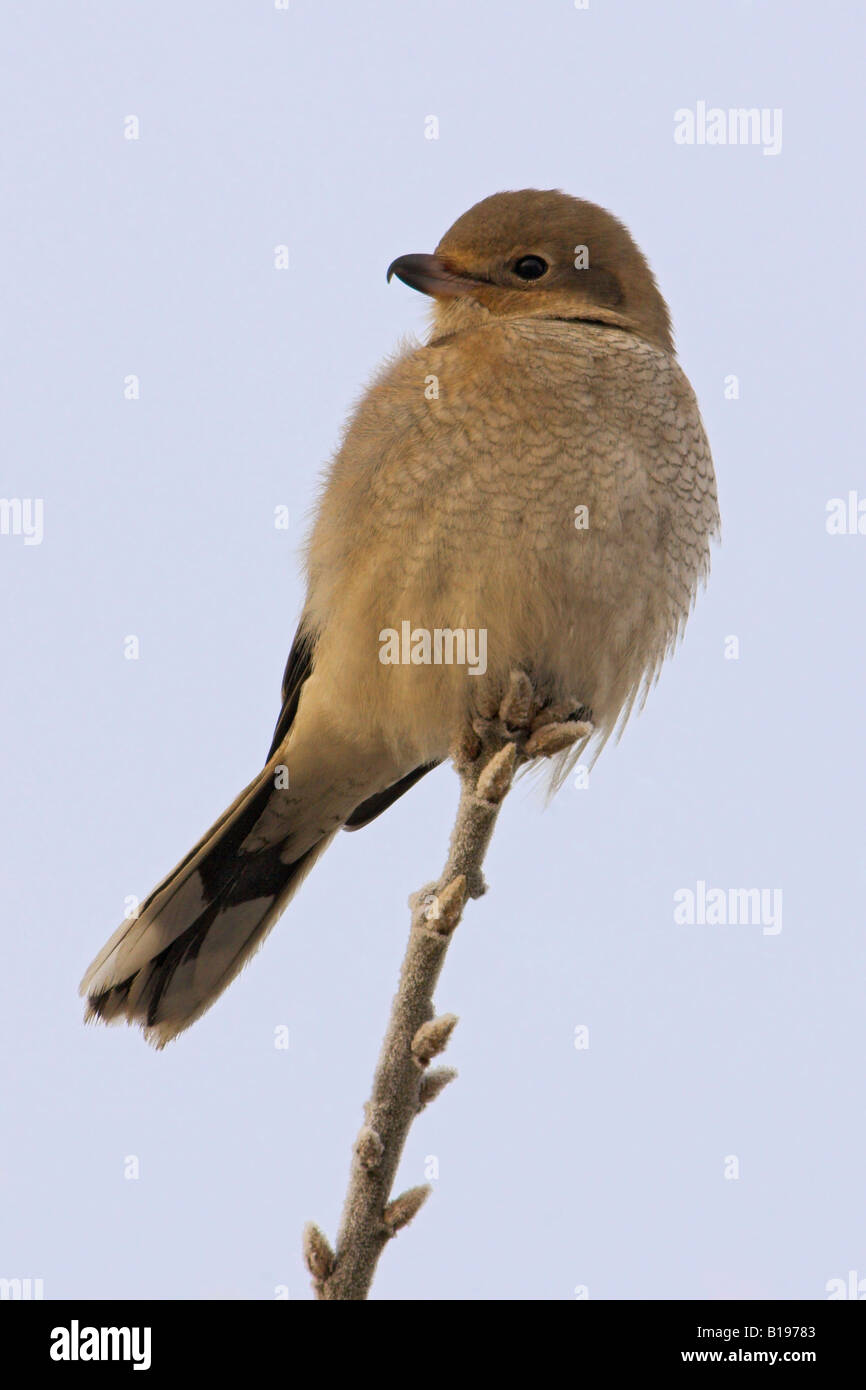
548	385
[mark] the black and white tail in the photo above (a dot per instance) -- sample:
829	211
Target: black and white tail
198	928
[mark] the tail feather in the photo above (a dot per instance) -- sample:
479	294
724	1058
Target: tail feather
200	925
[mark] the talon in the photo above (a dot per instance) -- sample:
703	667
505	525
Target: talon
487	706
554	738
516	707
562	712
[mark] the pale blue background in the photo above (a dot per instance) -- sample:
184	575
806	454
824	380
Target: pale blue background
557	1167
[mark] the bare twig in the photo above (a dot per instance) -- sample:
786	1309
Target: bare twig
402	1084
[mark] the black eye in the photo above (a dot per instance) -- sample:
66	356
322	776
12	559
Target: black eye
530	267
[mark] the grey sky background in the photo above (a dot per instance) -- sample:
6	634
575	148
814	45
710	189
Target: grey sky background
557	1167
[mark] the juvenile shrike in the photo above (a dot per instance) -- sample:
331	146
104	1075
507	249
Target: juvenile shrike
537	472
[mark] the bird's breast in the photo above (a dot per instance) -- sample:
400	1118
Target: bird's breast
548	485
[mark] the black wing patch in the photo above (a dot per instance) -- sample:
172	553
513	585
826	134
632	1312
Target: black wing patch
375	805
298	667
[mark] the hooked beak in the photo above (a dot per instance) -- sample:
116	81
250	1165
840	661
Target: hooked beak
431	275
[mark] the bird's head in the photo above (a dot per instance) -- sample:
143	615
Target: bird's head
538	254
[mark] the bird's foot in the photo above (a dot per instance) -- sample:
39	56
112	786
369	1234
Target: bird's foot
536	726
515	728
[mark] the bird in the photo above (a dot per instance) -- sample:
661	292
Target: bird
534	477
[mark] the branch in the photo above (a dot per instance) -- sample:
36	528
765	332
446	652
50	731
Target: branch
403	1083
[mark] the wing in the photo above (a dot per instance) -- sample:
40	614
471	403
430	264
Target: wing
375	805
298	668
